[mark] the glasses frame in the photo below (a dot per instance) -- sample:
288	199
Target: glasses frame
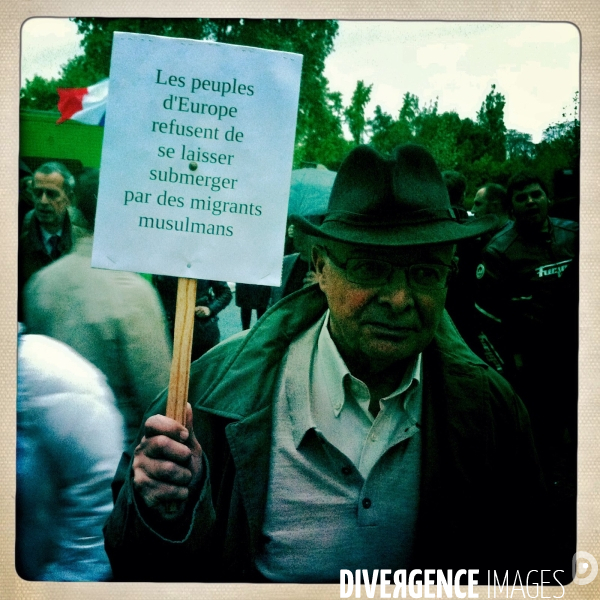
407	269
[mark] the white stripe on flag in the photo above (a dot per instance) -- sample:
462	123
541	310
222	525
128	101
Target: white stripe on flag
94	104
96	93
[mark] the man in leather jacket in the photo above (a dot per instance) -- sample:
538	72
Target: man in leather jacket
528	287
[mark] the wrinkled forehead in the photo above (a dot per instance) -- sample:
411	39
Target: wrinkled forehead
401	254
53	179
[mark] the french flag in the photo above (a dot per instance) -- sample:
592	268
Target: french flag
85	105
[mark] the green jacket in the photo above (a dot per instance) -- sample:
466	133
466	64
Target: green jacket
481	488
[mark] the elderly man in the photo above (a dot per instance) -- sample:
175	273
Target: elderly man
351	428
50	234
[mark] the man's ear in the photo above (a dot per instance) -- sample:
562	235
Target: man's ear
318	259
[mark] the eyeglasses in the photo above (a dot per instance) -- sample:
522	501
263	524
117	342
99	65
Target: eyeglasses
374	272
50	193
522	196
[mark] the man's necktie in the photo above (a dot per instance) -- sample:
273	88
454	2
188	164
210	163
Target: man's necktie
55	252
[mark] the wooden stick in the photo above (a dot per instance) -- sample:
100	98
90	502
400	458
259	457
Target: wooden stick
182	349
182	354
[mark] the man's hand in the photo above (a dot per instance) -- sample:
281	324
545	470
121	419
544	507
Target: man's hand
202	311
167	464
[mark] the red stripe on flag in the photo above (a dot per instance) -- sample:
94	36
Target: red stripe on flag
70	102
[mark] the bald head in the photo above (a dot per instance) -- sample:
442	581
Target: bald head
491	199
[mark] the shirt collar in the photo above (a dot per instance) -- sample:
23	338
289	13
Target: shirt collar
47	235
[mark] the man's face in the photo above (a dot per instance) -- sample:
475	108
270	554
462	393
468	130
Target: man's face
530	206
480	204
379	325
50	200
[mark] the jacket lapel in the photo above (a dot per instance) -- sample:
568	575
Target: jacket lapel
251	455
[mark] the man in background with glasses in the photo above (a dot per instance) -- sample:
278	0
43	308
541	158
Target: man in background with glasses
50	233
352	428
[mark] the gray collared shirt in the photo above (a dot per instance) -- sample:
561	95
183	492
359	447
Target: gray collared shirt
344	486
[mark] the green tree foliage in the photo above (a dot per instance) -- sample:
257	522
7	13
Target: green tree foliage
425	126
491	118
311	38
561	144
386	133
324	141
482	150
409	111
439	133
355	113
472	140
78	72
519	145
40	94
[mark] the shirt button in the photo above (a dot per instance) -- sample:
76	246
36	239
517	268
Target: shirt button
346	470
366	503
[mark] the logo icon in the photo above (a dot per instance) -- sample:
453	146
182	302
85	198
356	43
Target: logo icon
585	568
553	269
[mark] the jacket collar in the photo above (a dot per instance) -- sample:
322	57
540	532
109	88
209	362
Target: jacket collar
256	362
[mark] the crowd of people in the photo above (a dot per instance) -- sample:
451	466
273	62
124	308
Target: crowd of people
407	396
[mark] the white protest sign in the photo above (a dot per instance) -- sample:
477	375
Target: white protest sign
196	159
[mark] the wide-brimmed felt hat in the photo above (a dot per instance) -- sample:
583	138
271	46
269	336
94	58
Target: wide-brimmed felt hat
397	201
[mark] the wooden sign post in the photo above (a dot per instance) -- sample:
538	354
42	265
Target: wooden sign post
182	349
